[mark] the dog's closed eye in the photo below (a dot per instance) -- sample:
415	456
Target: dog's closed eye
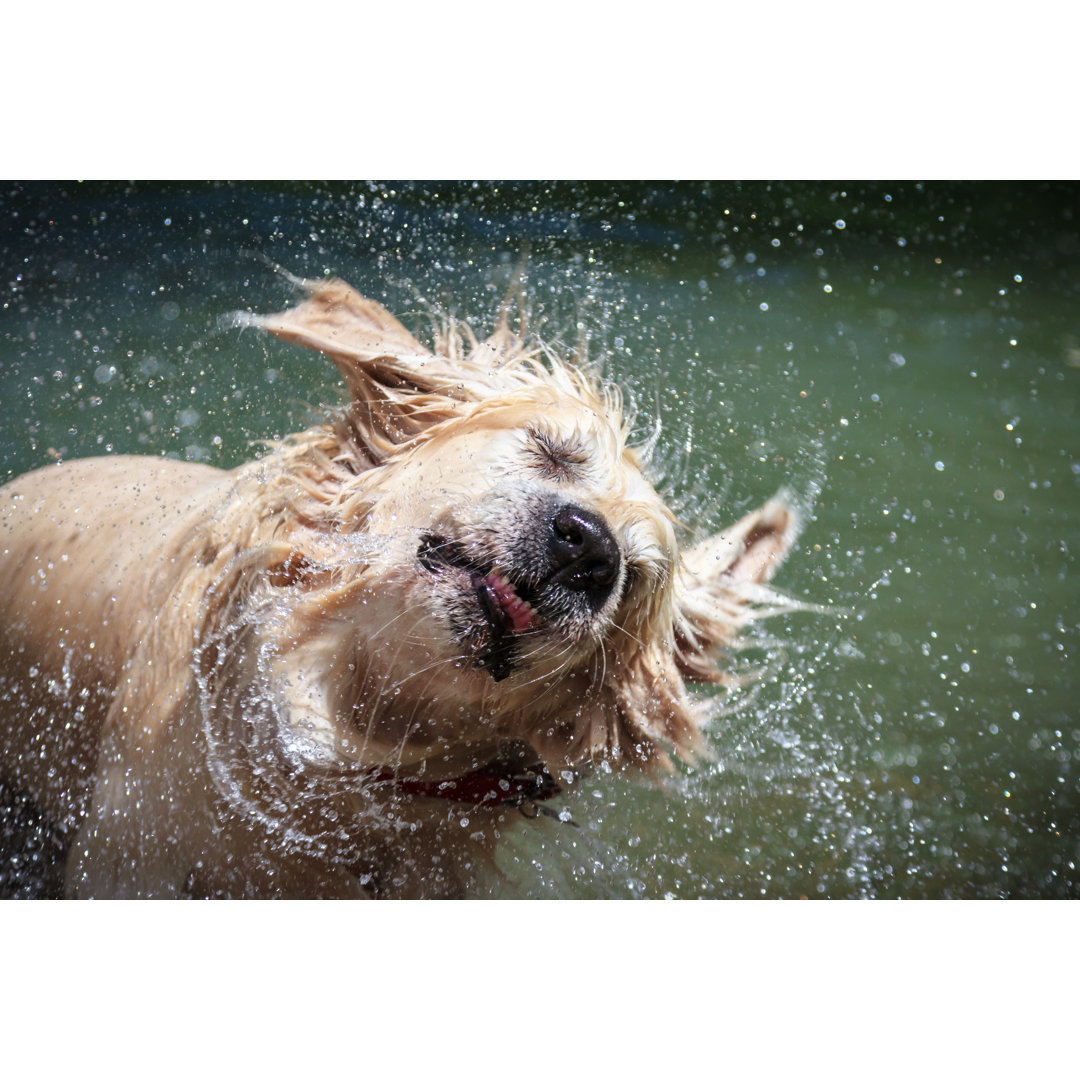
556	458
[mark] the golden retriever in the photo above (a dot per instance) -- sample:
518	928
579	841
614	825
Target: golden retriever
342	669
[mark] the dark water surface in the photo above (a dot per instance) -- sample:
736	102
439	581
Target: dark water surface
904	358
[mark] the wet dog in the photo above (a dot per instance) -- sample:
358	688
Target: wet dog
341	669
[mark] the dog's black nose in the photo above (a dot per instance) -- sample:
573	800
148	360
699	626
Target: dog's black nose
583	552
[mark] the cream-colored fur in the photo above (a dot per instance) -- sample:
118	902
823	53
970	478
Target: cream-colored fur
251	683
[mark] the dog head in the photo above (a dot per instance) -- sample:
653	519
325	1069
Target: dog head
534	537
487	564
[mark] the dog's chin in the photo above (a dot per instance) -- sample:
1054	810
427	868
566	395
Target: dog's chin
502	624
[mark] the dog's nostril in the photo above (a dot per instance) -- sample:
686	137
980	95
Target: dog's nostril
568	527
584	553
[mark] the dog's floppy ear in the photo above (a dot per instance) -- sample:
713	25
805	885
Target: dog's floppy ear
398	387
722	586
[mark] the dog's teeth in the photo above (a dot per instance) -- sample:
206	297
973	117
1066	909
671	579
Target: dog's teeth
518	611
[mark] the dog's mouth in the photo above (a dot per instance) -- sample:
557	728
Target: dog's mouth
505	607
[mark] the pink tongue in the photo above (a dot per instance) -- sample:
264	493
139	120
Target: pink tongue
519	613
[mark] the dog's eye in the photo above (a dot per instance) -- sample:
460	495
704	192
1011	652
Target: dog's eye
556	458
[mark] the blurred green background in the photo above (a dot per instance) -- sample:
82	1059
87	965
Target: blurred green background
903	357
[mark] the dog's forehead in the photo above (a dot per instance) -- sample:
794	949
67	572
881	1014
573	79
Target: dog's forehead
573	415
497	427
587	440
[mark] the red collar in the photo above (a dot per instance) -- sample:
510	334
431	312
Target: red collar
496	784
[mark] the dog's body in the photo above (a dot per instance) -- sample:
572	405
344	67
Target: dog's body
337	670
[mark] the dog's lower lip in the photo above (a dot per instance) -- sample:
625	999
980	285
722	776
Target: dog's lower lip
506	611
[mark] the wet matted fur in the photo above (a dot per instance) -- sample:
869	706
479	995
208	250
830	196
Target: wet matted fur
290	678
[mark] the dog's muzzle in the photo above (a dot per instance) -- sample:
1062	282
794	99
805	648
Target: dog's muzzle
562	571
